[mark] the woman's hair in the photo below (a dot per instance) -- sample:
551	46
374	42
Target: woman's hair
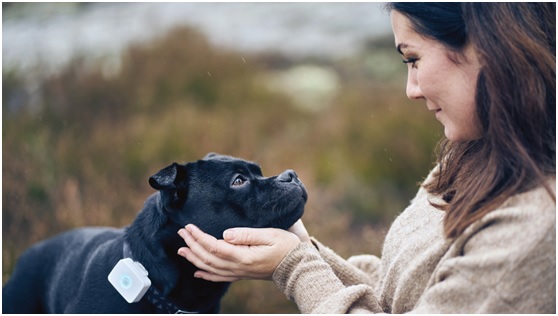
515	103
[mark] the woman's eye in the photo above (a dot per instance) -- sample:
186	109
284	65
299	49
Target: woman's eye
238	181
411	61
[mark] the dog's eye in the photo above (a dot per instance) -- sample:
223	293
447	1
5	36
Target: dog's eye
238	181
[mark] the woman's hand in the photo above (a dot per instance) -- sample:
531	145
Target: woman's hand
245	253
299	230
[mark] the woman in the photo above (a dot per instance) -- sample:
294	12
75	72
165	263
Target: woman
480	234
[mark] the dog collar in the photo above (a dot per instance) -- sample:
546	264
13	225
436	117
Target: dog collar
154	296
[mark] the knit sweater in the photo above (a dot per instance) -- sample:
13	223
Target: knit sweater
503	263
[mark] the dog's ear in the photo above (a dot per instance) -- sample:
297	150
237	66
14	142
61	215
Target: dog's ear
168	177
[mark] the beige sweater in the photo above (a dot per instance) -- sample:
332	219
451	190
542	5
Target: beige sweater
504	263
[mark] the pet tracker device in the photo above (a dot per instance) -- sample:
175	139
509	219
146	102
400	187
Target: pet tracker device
130	279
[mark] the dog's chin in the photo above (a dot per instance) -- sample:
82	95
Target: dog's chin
287	220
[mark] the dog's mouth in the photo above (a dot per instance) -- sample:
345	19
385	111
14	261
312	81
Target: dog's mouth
290	207
294	215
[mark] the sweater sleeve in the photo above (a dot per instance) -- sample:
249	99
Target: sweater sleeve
308	280
361	269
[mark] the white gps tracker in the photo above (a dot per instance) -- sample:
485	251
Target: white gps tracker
130	279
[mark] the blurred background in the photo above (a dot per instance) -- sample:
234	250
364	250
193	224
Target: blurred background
98	97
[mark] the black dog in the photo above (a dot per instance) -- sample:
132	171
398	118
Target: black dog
68	273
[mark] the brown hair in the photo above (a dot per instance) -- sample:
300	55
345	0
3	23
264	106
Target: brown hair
515	100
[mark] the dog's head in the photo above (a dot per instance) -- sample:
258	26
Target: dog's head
220	192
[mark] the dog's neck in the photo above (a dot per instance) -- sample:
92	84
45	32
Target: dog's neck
154	242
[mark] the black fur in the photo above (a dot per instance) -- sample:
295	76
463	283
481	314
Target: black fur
68	273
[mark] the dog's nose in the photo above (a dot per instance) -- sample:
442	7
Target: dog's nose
287	176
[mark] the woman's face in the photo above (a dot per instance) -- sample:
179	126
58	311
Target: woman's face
448	87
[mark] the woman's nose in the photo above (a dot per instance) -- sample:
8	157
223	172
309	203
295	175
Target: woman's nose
413	90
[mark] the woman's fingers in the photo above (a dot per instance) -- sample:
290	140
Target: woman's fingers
250	236
246	253
204	257
208	245
208	272
214	277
